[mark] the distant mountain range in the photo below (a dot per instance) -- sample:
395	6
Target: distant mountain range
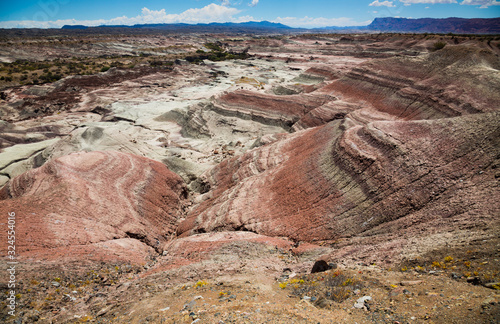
404	25
432	25
251	26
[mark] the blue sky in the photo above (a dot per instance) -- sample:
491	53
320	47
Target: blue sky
295	13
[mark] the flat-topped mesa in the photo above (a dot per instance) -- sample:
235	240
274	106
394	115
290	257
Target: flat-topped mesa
110	205
325	183
283	111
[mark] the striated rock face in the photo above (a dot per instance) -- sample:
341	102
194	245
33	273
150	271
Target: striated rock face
454	81
376	148
331	181
105	204
277	110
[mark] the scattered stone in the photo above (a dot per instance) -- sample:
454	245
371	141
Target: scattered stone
410	283
189	305
474	280
492	285
67	297
164	309
488	302
323	302
320	266
361	302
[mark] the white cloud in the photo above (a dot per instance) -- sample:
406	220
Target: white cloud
254	3
482	3
410	2
207	14
377	3
309	22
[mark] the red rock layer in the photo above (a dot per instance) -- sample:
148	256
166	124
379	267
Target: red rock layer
330	182
454	81
324	114
270	109
97	203
322	71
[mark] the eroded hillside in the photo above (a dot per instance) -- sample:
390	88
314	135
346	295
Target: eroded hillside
240	162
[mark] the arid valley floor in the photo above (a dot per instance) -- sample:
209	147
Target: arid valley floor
198	178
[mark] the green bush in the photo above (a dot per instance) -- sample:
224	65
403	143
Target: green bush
438	45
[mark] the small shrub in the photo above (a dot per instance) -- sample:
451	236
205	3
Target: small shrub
438	45
448	259
348	282
200	283
339	294
283	285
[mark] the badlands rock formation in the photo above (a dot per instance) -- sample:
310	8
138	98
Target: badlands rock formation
331	182
314	148
382	169
96	205
368	149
